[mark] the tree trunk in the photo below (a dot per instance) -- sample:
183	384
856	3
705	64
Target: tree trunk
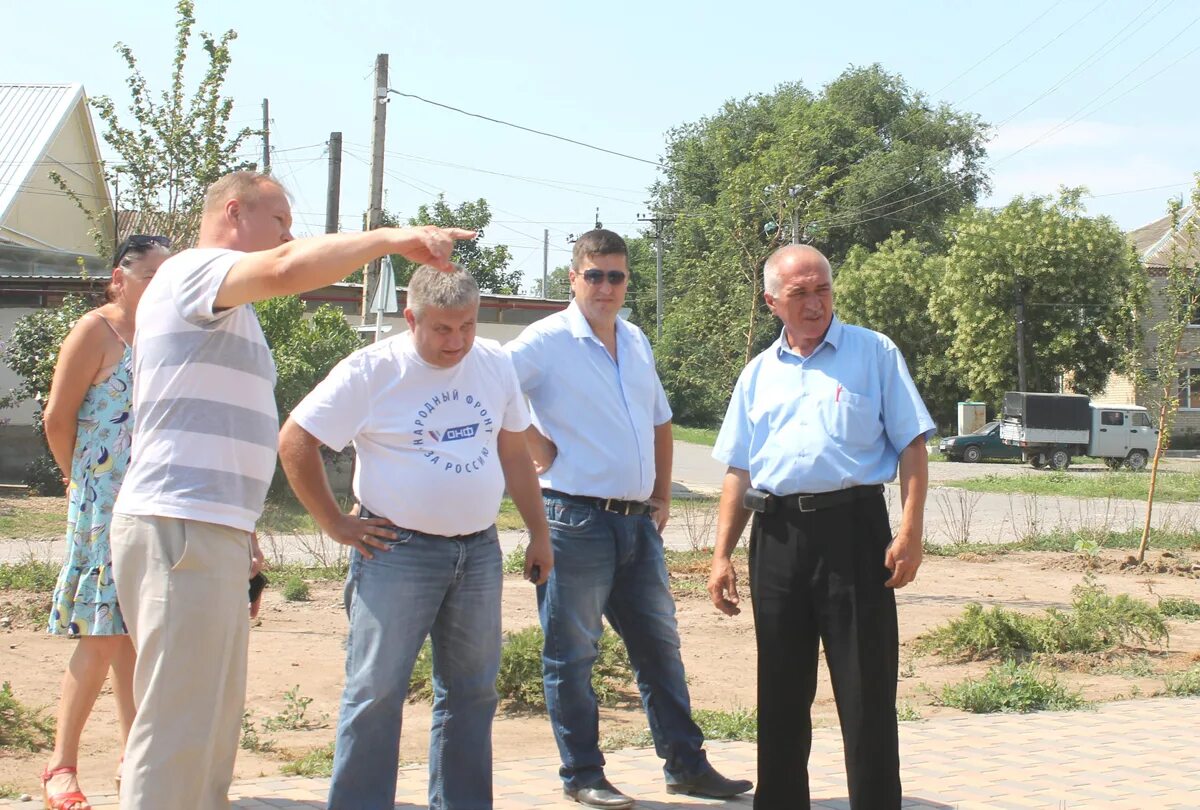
1158	451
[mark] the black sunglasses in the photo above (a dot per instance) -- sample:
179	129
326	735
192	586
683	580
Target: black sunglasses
139	242
596	277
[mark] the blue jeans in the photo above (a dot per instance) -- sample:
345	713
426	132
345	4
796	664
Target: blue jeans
612	566
447	589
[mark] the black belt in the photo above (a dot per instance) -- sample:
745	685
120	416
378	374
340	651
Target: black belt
824	500
366	514
616	505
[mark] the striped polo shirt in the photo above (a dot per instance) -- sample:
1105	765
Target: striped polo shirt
204	397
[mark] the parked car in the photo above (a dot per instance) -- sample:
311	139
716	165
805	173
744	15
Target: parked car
981	445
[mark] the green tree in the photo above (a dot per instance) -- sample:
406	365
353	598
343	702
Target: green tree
558	284
640	295
1080	283
489	265
32	351
848	166
889	290
305	349
174	144
1164	352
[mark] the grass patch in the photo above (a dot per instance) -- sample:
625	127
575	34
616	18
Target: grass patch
283	514
627	738
695	561
694	435
509	518
519	683
19	521
9	791
295	589
1096	621
738	724
1184	684
1011	687
30	575
251	740
314	762
293	715
907	713
1073	541
23	728
1186	609
514	561
1171	486
334	572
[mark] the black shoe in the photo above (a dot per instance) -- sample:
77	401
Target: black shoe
710	785
601	794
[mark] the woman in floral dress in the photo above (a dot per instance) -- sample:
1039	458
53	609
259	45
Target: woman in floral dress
88	423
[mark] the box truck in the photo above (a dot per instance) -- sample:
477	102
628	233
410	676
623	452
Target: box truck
1051	428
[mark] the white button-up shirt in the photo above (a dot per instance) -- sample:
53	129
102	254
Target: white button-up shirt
599	412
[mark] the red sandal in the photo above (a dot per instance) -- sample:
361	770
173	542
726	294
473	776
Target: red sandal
68	800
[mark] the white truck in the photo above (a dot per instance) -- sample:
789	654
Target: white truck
1050	428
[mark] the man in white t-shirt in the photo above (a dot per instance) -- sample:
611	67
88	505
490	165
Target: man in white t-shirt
203	454
437	419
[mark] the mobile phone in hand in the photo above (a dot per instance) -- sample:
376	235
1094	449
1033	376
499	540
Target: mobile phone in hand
257	583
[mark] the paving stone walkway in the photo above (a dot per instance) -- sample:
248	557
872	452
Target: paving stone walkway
1140	755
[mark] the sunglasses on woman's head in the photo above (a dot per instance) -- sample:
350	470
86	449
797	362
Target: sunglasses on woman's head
140	241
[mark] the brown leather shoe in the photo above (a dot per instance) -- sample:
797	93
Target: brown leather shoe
601	794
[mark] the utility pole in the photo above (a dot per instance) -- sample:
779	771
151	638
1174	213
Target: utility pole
1019	296
379	97
333	193
658	285
266	130
545	260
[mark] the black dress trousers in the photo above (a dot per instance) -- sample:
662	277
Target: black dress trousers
818	577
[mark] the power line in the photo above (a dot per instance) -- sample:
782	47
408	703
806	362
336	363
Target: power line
867	206
1073	119
527	129
907	136
999	47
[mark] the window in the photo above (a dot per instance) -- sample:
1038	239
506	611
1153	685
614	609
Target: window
1189	388
1141	419
1112	418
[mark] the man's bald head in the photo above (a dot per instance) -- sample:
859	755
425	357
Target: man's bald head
792	257
246	211
245	187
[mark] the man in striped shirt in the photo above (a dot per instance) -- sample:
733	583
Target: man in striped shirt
203	457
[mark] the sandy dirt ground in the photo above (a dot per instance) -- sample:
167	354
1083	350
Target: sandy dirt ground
299	645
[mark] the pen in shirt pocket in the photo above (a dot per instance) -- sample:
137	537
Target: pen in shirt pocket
838	396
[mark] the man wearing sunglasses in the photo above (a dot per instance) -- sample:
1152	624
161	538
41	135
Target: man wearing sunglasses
601	442
203	456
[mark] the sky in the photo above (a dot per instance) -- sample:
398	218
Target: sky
1098	93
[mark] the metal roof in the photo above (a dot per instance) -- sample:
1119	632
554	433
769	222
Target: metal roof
1156	242
31	115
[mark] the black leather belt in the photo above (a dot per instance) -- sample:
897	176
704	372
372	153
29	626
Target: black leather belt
616	505
824	500
366	514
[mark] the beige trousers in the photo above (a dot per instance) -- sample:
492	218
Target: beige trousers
182	589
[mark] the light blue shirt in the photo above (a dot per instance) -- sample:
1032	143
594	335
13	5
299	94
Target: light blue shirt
835	419
600	413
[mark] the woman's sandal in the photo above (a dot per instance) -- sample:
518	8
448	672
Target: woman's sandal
68	800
